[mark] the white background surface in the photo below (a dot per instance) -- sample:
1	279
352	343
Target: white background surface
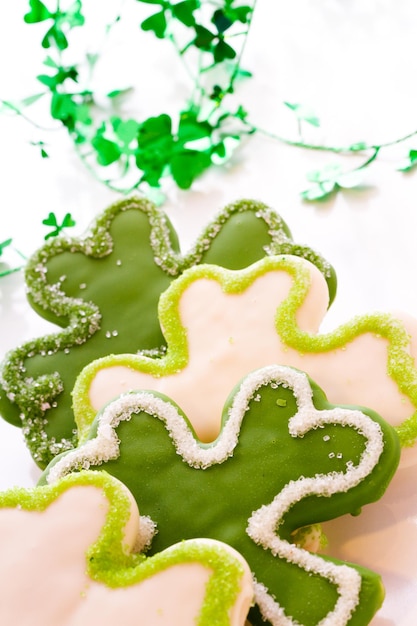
354	63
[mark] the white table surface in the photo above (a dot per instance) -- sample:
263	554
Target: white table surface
354	63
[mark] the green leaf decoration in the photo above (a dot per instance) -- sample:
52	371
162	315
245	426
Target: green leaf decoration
107	151
92	60
154	130
117	93
126	131
320	191
241	113
329	173
351	179
155	145
55	37
51	220
38	12
204	37
241	14
49	81
63	108
62	20
330	179
26	102
184	11
156	23
242	73
217	94
49	62
67	222
41	145
223	51
73	15
359	146
187	165
191	128
67	109
303	113
59	78
409	163
221	20
5	269
223	151
4	245
219	150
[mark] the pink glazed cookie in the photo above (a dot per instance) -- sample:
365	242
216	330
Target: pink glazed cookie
69	558
221	324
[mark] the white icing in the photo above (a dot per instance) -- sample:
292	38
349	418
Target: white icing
264	522
230	335
43	579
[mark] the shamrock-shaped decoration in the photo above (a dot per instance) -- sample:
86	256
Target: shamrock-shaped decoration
57	227
67	558
285	458
221	324
103	290
63	20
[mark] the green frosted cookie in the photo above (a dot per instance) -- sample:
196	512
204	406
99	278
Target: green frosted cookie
103	290
285	458
69	557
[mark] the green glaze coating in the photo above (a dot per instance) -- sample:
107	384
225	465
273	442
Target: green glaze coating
108	562
103	290
190	489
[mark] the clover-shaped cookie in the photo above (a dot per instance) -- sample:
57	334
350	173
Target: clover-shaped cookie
285	458
221	324
104	289
67	558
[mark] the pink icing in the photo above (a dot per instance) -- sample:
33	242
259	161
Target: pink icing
44	582
230	335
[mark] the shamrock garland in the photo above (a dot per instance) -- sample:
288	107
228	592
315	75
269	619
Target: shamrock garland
128	154
159	145
52	221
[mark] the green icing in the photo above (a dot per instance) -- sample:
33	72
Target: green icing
103	291
107	561
217	501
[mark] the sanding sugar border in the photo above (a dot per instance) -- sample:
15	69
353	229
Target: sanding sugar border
263	523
